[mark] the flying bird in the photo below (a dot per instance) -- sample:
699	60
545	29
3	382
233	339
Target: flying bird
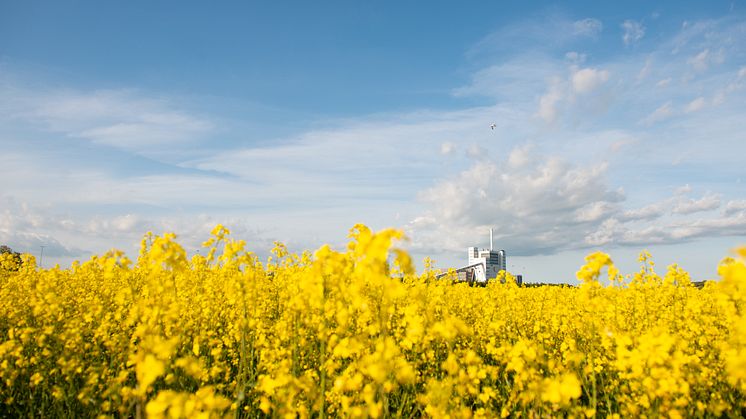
493	126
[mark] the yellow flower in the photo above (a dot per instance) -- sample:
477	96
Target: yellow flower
148	371
561	390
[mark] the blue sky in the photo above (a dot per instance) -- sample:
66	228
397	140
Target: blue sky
618	127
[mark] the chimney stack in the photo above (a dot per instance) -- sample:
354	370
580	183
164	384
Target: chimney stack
490	239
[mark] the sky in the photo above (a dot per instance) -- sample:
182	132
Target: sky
618	126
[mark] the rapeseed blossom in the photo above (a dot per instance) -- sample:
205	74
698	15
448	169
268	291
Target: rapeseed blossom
358	333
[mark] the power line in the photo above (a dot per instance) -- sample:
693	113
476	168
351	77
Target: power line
41	257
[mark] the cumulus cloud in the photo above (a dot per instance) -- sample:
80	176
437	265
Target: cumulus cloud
688	206
536	204
633	31
543	205
519	157
563	91
606	233
588	79
648	212
595	211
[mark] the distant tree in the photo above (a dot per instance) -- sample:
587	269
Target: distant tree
14	256
545	284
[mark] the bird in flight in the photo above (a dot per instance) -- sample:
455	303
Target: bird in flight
493	126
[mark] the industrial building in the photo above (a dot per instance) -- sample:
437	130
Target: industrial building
483	265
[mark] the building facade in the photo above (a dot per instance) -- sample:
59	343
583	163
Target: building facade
493	261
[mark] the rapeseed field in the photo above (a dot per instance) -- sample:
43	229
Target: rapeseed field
360	334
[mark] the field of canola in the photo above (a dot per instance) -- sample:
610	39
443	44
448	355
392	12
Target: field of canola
358	333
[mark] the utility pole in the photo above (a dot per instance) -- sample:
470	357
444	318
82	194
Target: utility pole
41	257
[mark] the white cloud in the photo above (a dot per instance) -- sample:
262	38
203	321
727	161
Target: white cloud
447	148
614	232
564	91
513	78
663	83
702	61
588	27
34	243
547	31
646	69
719	98
25	227
605	233
26	230
735	206
595	211
541	205
695	105
649	212
679	204
535	204
706	33
663	112
633	31
519	157
360	156
683	190
623	142
124	119
549	101
688	206
588	79
713	227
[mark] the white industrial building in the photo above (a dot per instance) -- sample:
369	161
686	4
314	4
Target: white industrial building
483	264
